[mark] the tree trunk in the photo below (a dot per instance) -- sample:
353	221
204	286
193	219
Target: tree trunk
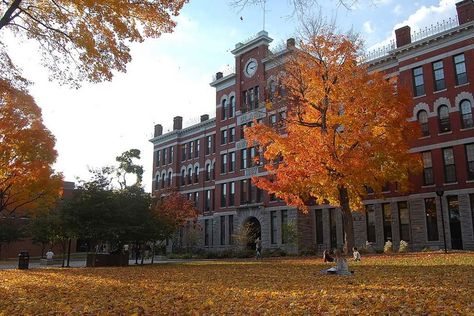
347	219
68	252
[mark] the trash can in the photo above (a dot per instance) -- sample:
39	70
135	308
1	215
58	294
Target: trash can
23	260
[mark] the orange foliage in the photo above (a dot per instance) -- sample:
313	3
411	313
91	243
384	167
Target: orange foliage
412	284
174	210
346	128
27	180
87	39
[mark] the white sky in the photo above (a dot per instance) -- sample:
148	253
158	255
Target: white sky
170	76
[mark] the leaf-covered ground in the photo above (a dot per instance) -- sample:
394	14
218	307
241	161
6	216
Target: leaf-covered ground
410	284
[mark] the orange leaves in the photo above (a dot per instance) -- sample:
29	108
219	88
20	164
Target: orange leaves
400	284
26	153
345	127
174	210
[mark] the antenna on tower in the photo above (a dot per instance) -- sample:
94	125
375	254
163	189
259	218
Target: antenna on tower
263	5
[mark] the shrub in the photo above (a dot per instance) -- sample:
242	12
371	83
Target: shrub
403	246
388	248
426	249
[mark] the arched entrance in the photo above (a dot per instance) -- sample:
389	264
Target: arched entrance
253	230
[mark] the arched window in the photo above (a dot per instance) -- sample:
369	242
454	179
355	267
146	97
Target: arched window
272	90
423	120
196	174
169	178
157	182
163	176
223	109
190	174
232	107
208	172
183	177
443	119
466	114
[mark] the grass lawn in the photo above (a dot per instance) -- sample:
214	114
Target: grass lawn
422	283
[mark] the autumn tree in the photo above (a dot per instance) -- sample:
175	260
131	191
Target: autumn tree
27	180
346	129
86	40
171	212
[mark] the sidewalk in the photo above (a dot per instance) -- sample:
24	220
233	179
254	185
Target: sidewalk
81	263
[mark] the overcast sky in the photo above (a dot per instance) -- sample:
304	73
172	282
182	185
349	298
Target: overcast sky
170	76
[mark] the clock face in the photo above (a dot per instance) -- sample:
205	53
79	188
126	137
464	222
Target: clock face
251	68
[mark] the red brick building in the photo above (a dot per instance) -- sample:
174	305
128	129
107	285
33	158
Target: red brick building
211	164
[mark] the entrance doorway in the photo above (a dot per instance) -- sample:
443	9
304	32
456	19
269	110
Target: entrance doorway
454	222
253	231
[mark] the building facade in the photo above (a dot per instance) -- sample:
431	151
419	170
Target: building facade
212	164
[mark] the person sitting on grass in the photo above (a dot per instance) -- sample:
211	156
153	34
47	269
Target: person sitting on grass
327	256
341	267
356	254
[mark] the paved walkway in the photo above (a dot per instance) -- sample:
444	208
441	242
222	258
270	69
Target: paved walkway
80	263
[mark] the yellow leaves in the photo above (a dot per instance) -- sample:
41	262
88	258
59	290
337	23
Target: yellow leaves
399	284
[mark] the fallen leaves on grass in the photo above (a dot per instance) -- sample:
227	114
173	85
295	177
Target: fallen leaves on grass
402	284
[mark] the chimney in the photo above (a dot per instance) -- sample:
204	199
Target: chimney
403	36
158	130
290	43
465	10
177	123
219	75
204	117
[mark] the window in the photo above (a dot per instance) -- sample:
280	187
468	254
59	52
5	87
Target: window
209	145
284	226
183	177
224	163
242	131
431	219
244	192
466	114
165	155
443	119
256	94
171	154
253	152
273	87
223	194
184	151
460	69
470	161
438	73
471	201
207	204
243	159
213	143
208	172
231	228
319	227
198	148
428	177
282	118
232	107
232	162
157	182
223	109
423	120
273	226
419	85
404	221
157	156
222	230
370	222
191	150
169	178
232	194
196	174
163	176
449	166
273	119
224	137
207	228
190	175
387	221
231	134
196	199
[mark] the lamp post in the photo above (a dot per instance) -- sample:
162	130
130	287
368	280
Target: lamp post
440	193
